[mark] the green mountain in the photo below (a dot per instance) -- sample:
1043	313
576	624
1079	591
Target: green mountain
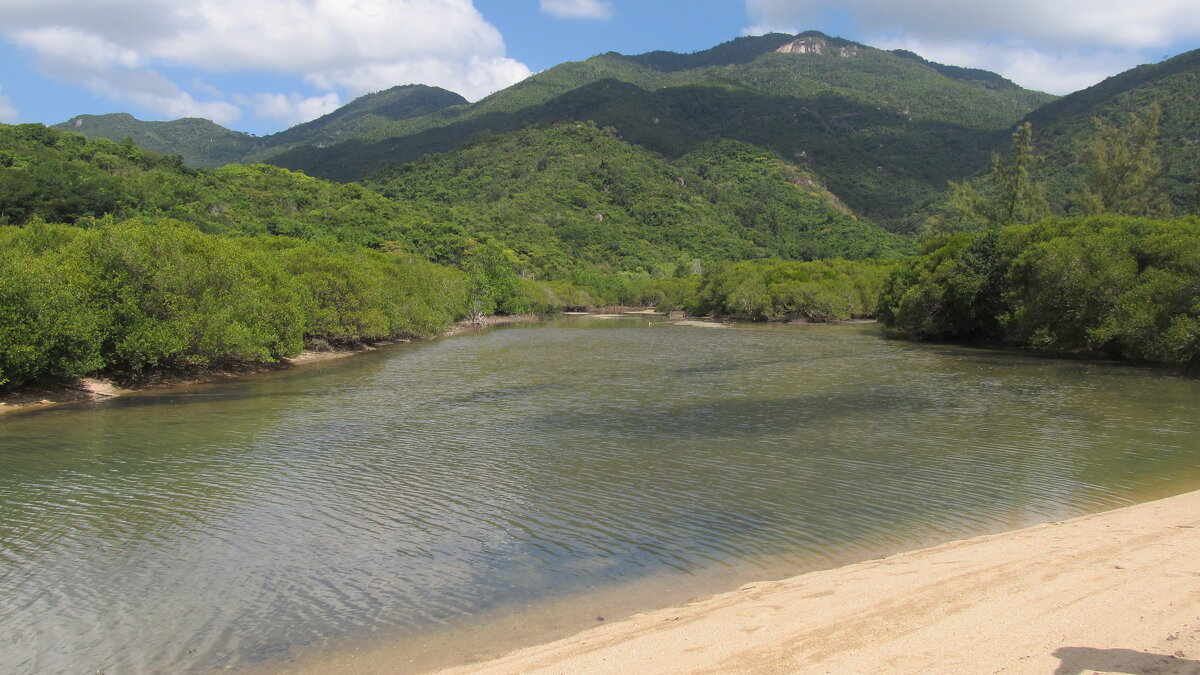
202	143
884	131
1061	126
366	114
559	194
199	141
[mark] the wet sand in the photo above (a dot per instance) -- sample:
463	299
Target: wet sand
1110	592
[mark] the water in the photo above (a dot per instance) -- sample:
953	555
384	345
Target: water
404	491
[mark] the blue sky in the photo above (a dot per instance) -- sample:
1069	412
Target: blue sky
263	65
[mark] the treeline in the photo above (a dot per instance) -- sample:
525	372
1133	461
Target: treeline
778	290
144	294
1107	285
750	290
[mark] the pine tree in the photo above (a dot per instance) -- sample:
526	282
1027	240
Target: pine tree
1124	173
1009	194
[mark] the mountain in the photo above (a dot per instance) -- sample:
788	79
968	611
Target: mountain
1061	126
367	113
883	131
199	141
562	193
202	143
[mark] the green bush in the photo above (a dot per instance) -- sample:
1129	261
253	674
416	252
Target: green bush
1121	286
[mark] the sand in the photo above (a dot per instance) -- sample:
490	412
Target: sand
1112	592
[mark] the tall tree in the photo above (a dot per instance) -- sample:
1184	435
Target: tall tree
1124	172
1008	195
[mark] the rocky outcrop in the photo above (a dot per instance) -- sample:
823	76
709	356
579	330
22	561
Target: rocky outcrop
812	45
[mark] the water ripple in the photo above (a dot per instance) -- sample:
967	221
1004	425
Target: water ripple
232	524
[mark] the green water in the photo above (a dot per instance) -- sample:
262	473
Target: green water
408	490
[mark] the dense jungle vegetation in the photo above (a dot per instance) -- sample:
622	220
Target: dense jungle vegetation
1122	281
1108	285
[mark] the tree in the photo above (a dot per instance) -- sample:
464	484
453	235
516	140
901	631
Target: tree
492	285
1009	196
1124	173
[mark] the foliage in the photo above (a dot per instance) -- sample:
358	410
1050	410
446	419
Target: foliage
492	285
950	293
1120	286
140	294
1008	194
824	290
568	193
48	327
1124	173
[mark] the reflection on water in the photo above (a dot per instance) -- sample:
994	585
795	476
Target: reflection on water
405	490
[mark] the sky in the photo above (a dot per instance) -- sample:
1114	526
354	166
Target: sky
261	66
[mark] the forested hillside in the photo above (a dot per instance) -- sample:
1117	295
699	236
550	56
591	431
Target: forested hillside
883	131
1064	126
198	142
1144	120
559	196
568	193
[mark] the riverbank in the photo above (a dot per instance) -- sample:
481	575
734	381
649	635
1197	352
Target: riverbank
41	395
1111	592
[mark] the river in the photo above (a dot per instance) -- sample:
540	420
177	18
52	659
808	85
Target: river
414	490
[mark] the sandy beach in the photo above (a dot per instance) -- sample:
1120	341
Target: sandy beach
1115	592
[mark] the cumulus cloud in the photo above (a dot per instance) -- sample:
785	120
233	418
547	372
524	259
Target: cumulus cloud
291	109
578	9
120	47
1031	41
8	112
117	73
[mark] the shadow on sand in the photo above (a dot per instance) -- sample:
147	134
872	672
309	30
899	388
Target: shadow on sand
1079	660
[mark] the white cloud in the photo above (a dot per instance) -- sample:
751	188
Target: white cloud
1057	46
8	112
198	84
117	73
120	47
1113	23
291	109
1056	71
578	9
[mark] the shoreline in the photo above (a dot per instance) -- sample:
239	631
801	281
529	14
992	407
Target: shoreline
1112	591
38	396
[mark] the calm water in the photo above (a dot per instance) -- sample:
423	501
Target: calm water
235	524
